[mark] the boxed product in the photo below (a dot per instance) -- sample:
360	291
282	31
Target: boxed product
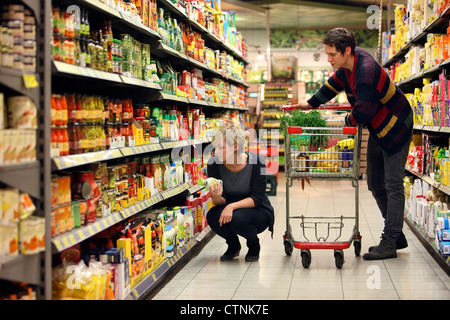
22	113
105	256
31	234
445	248
121	280
9	239
443	223
9	199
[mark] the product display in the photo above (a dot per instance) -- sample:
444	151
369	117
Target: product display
107	112
18	38
17	129
122	161
427	207
416	56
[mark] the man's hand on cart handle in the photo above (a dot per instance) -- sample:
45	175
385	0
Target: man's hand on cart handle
301	105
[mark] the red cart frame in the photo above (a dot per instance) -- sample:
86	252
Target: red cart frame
331	152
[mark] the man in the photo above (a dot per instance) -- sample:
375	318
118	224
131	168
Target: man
381	106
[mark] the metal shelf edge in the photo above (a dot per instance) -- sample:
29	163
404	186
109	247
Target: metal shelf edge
24	176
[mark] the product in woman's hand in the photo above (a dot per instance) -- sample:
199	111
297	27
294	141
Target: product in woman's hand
208	182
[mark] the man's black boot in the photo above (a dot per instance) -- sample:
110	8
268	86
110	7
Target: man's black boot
401	243
385	250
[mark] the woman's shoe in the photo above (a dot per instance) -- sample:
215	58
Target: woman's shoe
231	253
253	253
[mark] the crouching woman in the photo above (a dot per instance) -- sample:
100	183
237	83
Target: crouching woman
242	207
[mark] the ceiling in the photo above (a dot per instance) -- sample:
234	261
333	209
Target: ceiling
251	14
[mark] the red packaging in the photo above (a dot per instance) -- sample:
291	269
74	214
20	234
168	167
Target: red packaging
91	210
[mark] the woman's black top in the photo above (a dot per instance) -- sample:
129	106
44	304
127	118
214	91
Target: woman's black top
248	182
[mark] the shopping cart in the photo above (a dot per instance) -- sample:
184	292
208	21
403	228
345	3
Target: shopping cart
331	152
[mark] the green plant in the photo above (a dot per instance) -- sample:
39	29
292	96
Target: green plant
299	118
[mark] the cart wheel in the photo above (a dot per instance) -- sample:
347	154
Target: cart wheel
306	258
339	258
357	245
288	247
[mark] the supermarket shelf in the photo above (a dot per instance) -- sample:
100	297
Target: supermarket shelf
71	161
73	70
76	160
429	244
151	281
139	28
119	19
35	8
198	102
411	83
168	97
439	25
174	144
163	96
442	187
174	8
162	50
140	206
218	43
131	151
140	83
14	79
195	188
22	268
432	128
69	70
24	176
78	235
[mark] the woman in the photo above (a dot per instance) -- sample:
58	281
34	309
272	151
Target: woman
241	204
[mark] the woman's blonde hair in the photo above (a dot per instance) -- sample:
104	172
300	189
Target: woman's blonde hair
233	134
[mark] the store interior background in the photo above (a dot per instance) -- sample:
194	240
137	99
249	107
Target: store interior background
295	30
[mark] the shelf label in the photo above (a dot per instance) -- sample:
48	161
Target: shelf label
30	81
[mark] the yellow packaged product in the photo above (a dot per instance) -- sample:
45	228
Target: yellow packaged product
28	236
10	205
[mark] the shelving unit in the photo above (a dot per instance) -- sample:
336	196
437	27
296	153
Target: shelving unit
276	94
35	177
438	26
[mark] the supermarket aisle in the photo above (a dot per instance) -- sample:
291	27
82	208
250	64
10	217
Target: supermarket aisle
413	275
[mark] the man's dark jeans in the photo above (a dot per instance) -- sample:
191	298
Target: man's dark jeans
385	175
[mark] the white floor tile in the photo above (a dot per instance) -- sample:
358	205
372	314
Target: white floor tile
276	276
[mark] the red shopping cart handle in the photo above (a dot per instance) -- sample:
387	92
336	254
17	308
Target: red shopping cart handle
322	245
295	130
345	130
323	107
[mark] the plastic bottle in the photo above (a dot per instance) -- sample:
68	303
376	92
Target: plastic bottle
168	234
181	226
64	111
189	223
53	111
54	140
65	142
208	182
58	113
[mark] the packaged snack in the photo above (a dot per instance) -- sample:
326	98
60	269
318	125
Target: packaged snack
22	113
26	206
10	205
28	236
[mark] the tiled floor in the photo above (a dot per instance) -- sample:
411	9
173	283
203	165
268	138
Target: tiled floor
413	275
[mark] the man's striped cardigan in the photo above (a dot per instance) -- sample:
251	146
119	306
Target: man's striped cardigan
377	102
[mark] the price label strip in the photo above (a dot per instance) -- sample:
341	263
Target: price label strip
69	239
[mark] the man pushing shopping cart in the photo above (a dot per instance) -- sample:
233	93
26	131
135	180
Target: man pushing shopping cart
381	106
